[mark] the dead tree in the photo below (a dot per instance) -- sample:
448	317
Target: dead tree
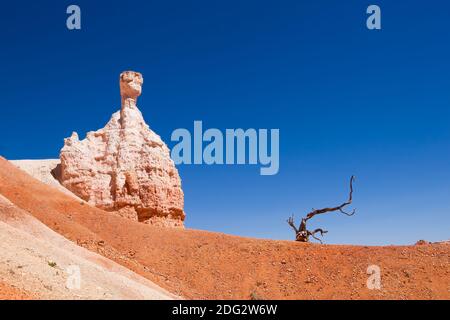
302	234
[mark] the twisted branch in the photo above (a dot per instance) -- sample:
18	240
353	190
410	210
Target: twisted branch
302	234
291	222
338	208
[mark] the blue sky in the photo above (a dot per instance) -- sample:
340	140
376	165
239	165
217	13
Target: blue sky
346	100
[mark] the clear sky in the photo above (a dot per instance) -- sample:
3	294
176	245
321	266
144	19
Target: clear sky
346	100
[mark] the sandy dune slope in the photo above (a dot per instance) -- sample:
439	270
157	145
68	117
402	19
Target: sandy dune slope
204	265
33	258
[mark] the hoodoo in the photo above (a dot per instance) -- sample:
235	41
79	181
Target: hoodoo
125	167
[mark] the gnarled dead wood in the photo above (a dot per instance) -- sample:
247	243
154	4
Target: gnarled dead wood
302	234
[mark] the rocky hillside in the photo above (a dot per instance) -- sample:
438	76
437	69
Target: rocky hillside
205	265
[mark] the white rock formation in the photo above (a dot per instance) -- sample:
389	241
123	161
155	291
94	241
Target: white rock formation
46	171
125	166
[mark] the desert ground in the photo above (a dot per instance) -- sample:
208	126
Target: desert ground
44	229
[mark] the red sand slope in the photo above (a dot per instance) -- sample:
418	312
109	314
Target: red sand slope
7	292
199	264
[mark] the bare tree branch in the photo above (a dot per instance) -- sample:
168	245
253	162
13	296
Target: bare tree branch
290	221
320	240
313	234
321	231
338	208
302	234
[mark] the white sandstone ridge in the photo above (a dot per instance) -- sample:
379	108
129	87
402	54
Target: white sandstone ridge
125	167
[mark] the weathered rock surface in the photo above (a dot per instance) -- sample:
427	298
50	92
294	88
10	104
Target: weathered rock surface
125	166
47	171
